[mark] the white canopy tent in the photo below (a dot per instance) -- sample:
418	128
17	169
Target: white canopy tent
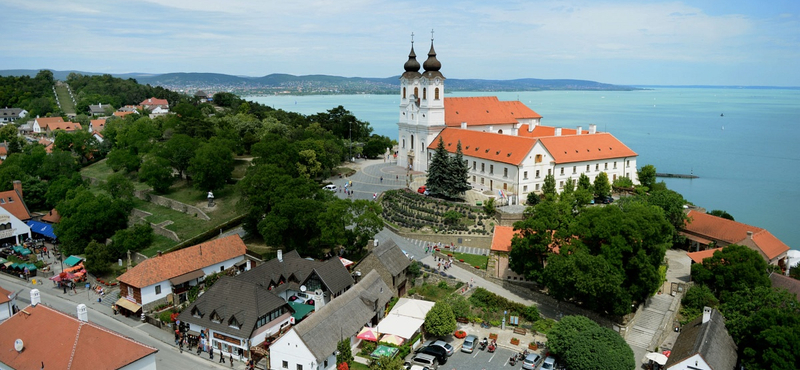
405	318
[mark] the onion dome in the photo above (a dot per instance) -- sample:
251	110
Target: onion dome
412	65
432	64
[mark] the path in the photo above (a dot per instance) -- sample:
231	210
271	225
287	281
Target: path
65	99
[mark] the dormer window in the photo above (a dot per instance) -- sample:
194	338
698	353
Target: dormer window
215	317
197	313
234	323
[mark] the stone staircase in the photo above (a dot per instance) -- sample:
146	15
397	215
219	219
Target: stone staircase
648	320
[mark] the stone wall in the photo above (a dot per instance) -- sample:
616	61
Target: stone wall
137	215
478	241
171	203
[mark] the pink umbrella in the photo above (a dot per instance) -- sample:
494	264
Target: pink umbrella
369	334
392	339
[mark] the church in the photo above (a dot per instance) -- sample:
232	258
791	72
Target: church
503	142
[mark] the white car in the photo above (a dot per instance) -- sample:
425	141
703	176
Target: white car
549	363
331	187
531	361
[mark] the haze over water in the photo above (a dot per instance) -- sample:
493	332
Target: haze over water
747	160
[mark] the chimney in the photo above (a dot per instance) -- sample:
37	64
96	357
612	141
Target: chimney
280	255
592	129
558	131
750	235
35	297
159	254
18	187
706	314
464	125
83	314
580	130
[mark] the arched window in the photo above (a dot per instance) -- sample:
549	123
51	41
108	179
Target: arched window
424	93
436	94
404	144
412	142
404	92
499	131
416	92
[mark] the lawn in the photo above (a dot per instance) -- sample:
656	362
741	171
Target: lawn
472	259
433	292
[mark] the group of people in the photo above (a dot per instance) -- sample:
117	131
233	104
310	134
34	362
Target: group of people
443	263
182	339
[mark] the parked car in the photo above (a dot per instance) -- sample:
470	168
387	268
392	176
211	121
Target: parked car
470	341
549	363
422	190
444	345
531	361
409	366
426	360
603	200
435	351
330	187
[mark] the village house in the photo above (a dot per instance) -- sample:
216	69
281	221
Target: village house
501	247
52	127
707	233
389	261
7	302
704	343
311	344
51	339
13	214
503	143
8	115
100	109
237	314
289	275
40	123
97	125
168	277
153	103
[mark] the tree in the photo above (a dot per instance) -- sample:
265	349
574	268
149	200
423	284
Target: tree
533	199
459	174
489	207
387	363
86	217
123	159
584	183
647	176
697	297
133	239
179	151
602	187
119	187
584	345
549	187
343	352
376	146
440	320
732	269
58	188
157	173
438	170
459	305
308	166
97	258
721	213
212	165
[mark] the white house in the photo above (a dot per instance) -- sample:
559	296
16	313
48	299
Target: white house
8	115
311	344
704	344
7	302
170	276
40	123
503	142
13	214
29	342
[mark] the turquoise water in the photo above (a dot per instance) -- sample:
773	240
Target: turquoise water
747	160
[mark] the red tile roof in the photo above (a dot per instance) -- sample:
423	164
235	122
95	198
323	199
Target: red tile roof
61	341
580	148
154	101
122	114
13	203
485	145
484	110
66	126
52	217
98	124
157	269
543	131
44	121
501	241
733	232
698	257
4	295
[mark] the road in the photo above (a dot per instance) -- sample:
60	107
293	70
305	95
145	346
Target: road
167	356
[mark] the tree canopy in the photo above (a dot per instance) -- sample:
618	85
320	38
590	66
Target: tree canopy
440	320
583	345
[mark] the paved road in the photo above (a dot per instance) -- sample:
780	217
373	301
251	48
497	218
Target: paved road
167	356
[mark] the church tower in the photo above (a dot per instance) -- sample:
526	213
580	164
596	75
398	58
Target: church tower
421	109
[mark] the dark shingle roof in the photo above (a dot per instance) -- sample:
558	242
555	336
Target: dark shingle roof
343	316
392	257
245	300
711	340
295	270
334	275
786	282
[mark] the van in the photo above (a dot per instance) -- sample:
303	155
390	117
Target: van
425	360
330	187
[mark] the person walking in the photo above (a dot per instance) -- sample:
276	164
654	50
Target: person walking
211	353
230	359
221	357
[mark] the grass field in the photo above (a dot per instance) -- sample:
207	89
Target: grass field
472	259
65	100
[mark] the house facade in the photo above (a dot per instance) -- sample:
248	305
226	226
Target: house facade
311	344
503	142
704	344
8	115
168	277
40	123
8	301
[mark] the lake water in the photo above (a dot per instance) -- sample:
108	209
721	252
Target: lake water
747	160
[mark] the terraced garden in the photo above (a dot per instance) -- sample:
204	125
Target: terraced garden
407	209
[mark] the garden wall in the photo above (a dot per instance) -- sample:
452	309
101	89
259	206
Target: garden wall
477	241
137	215
171	203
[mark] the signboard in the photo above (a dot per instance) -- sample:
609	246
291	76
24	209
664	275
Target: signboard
227	339
5	218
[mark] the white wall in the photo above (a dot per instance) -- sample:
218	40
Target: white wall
149	292
5	311
292	349
689	364
224	264
18	228
145	363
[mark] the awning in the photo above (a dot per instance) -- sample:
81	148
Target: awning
72	261
402	326
41	228
128	305
193	333
301	310
241	263
187	277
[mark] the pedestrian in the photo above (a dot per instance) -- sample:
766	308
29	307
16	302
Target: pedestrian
64	286
381	179
221	357
230	359
211	353
199	349
180	345
396	177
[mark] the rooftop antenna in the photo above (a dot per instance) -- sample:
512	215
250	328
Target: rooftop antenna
412	38
431	34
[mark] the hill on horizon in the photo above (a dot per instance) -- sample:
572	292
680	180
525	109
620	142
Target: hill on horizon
325	84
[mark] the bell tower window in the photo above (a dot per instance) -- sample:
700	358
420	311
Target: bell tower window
436	93
424	93
416	92
404	92
412	142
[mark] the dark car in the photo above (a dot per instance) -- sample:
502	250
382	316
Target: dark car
435	351
603	200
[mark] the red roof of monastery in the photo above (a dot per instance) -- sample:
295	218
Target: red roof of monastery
542	131
579	148
733	232
484	110
485	145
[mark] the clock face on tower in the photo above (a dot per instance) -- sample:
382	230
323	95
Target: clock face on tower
437	80
424	81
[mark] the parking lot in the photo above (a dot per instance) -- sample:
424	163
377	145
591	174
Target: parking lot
481	360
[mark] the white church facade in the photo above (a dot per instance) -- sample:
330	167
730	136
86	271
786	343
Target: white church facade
503	142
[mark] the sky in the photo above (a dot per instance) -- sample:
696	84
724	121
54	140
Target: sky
644	42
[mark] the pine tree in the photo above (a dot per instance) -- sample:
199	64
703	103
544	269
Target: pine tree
438	171
549	187
459	176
